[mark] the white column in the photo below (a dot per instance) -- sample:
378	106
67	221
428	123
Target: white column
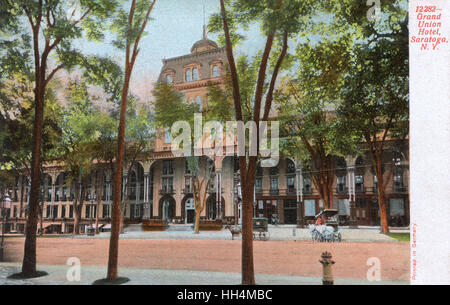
219	213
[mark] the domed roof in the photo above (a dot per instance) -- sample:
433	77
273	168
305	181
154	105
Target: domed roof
204	44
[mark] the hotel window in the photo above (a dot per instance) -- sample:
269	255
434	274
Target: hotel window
195	74
91	211
307	186
188	75
310	208
71	211
106	210
187	170
63	211
258	184
291	183
198	100
187	184
343	207
169	78
398	180
274	171
215	71
274	183
167	185
341	183
359	183
167	167
396	207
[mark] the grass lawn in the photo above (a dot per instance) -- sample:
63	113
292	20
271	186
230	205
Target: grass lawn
399	236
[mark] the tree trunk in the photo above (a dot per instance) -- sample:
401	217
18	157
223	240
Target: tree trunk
41	216
76	219
381	195
197	221
21	199
97	231
248	273
29	257
112	273
78	209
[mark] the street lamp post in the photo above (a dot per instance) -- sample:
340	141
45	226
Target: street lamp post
5	206
91	208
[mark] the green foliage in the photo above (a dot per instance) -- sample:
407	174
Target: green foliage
170	106
271	15
58	24
16	122
88	134
121	27
357	71
220	99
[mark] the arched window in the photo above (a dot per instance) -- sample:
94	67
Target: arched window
195	74
198	100
169	78
188	75
290	167
215	71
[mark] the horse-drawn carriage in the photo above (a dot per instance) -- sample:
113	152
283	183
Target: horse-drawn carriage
328	229
260	228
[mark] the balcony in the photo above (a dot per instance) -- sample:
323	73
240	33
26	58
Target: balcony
213	190
373	190
274	192
187	190
400	189
258	192
360	189
167	191
291	191
307	190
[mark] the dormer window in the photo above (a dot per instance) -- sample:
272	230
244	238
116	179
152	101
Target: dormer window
194	74
215	71
188	75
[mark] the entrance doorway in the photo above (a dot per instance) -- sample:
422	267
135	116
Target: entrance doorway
167	208
290	211
190	211
266	208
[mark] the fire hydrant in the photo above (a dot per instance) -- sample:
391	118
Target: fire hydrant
327	262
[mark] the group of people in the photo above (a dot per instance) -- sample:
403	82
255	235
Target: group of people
321	219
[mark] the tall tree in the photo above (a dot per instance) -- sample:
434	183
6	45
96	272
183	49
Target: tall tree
16	121
129	27
312	131
52	27
170	107
375	93
85	129
279	20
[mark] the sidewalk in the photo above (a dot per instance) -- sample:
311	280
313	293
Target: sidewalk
279	233
57	276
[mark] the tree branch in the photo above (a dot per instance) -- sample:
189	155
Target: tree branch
276	70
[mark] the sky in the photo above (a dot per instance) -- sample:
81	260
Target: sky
175	26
